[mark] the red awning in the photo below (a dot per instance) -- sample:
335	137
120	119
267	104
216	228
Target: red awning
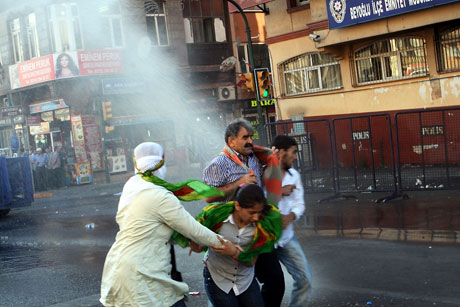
246	4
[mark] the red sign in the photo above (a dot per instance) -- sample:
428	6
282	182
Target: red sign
245	4
100	62
34	120
36	70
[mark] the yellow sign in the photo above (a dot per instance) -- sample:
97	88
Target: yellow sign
263	103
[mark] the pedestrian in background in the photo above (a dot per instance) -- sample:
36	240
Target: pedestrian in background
41	169
54	166
292	207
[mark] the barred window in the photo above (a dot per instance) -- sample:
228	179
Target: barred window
156	22
311	72
449	49
391	59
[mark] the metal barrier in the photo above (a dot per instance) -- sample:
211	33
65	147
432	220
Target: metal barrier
428	149
364	154
315	156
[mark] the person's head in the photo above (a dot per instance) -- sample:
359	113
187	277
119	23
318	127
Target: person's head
21	150
238	136
250	202
47	150
39	151
149	156
58	148
287	147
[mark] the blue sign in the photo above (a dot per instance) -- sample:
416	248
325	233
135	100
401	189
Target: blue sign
122	86
344	13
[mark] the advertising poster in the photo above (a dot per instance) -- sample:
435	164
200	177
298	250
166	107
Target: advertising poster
66	65
93	141
36	70
83	172
78	139
100	62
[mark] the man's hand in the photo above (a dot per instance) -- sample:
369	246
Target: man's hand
287	189
287	219
249	178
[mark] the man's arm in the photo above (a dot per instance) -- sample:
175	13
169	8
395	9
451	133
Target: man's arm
230	188
297	201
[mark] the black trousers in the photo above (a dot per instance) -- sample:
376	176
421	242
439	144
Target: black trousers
269	273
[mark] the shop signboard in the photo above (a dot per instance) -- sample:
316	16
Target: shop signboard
100	62
118	86
65	65
11	111
44	127
47	106
36	70
344	13
34	120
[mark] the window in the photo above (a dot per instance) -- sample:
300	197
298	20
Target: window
449	50
156	22
295	5
204	30
111	24
65	27
15	28
204	21
32	37
391	59
312	72
261	57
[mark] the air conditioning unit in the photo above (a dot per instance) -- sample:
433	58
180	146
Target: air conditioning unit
225	93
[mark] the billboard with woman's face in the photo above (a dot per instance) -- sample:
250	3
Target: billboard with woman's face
66	65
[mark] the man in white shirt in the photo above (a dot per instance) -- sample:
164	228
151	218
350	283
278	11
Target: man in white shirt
292	206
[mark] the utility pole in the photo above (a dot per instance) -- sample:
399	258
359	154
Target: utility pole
261	119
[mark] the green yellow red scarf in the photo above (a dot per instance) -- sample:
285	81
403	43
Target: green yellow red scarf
271	178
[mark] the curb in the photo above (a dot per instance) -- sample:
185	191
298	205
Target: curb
389	234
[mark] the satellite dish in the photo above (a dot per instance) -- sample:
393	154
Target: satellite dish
228	64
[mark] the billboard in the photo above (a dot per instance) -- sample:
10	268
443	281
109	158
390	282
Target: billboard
66	65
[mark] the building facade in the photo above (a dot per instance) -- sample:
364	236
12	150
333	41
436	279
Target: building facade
153	66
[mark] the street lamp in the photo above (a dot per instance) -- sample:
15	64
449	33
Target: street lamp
261	119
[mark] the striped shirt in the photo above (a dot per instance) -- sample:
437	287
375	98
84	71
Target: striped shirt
222	171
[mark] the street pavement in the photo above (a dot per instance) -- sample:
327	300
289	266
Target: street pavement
49	257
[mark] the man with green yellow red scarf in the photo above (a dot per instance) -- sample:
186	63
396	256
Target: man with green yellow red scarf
241	162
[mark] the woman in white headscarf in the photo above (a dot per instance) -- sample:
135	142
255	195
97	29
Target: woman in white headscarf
138	266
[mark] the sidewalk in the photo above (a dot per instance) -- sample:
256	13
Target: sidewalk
426	216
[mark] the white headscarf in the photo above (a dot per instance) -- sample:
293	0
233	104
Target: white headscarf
148	155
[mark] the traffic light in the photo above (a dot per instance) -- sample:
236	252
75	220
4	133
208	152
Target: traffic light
264	83
107	110
107	116
247	81
109	129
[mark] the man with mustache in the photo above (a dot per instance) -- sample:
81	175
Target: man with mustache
227	175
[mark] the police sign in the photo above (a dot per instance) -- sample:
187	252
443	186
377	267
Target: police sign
344	13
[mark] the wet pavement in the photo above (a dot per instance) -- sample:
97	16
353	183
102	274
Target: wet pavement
49	257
